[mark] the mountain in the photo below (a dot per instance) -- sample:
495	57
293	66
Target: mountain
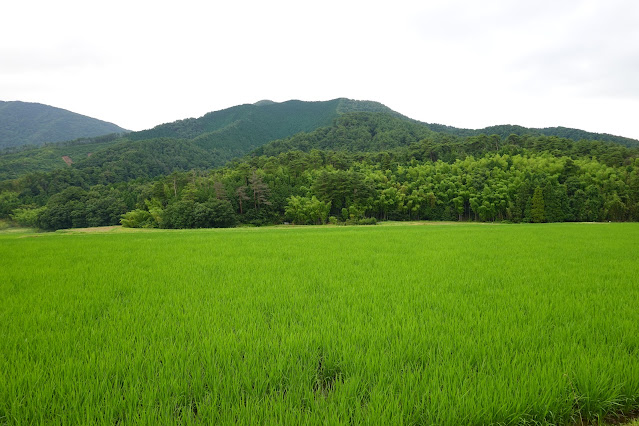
237	130
205	142
506	130
220	136
367	133
351	159
26	123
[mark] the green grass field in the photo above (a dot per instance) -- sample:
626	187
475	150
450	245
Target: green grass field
439	324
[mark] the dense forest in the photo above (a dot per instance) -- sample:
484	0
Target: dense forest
364	167
22	160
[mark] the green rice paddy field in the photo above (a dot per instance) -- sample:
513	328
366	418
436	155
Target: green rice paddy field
436	324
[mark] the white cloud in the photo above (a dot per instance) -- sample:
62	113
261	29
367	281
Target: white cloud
459	62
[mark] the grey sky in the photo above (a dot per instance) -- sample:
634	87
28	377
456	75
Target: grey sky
462	63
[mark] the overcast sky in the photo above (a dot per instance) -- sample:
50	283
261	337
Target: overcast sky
464	63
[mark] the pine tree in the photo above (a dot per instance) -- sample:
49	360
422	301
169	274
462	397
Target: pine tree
261	191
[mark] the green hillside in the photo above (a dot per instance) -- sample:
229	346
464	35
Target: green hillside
205	142
217	137
15	162
354	132
366	132
239	129
25	123
128	160
270	128
562	132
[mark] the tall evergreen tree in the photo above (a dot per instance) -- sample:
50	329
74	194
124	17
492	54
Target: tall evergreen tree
538	209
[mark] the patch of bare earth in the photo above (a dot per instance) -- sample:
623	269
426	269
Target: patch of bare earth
432	223
630	419
94	229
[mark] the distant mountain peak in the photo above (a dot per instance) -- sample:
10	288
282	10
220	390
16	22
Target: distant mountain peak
264	102
30	123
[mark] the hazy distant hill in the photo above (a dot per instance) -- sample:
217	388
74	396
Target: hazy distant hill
25	123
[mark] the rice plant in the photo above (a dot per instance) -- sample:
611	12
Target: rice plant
439	324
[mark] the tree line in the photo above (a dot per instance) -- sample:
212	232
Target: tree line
516	180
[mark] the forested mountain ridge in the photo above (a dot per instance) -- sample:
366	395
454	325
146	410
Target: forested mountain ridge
213	139
26	123
563	132
378	132
220	136
244	127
